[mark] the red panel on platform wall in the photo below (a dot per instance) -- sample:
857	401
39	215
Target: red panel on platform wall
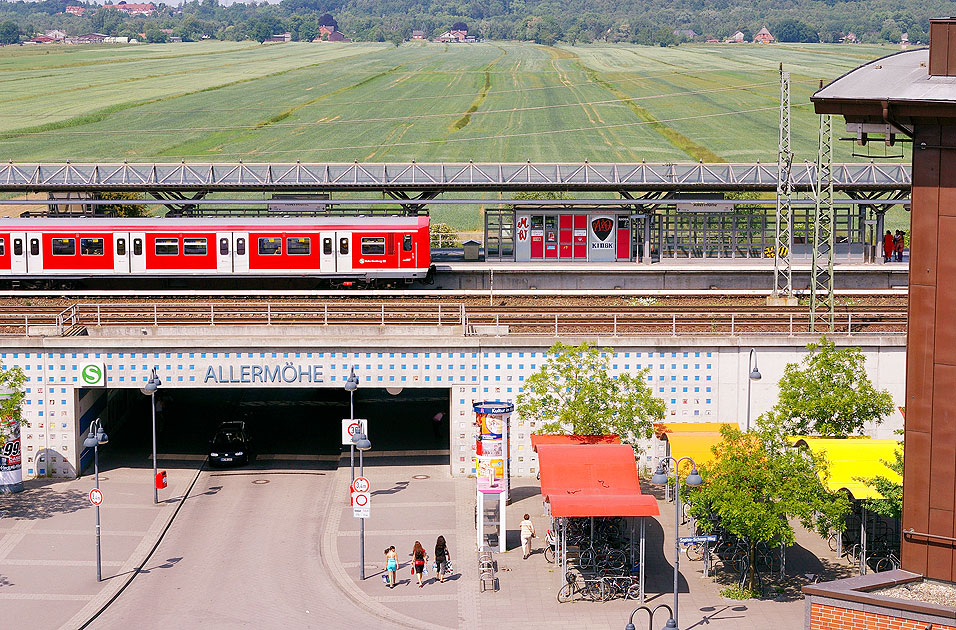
580	236
566	222
623	244
537	247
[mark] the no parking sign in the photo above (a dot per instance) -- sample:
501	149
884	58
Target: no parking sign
352	426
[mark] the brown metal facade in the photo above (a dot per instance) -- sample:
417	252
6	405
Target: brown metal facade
942	52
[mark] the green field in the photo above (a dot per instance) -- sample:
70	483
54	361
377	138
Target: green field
496	101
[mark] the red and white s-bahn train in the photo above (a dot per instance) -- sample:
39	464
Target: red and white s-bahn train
346	251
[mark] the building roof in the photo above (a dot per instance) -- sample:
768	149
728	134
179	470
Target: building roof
763	31
541	440
592	480
852	459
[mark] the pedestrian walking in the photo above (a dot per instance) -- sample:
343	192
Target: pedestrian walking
888	246
527	533
442	558
898	243
391	565
419	558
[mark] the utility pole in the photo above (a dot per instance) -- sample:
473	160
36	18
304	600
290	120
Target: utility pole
821	284
783	234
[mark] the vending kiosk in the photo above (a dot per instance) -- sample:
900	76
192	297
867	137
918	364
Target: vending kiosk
492	452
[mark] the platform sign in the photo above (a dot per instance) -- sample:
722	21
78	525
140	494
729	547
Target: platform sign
695	540
351	426
96	496
92	374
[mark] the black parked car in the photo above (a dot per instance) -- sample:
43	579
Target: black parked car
231	445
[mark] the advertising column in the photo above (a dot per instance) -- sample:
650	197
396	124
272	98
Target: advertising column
492	451
11	475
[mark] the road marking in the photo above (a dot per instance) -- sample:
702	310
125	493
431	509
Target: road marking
47	596
59	563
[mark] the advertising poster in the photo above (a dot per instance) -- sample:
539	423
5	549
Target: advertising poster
491	442
11	474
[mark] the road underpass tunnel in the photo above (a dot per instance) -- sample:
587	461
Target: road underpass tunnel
303	424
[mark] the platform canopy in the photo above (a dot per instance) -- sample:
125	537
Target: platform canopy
852	459
691	439
592	480
541	440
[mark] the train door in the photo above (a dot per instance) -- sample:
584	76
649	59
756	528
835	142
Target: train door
121	252
406	251
18	252
240	252
224	252
327	257
343	251
137	252
34	252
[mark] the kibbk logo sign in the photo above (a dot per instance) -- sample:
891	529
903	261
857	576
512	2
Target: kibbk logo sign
92	374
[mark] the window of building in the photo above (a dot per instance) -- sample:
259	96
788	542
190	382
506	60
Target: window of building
298	246
195	246
270	246
373	245
92	246
167	247
62	247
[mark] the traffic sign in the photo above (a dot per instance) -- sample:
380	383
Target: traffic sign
360	484
694	540
361	512
351	426
96	496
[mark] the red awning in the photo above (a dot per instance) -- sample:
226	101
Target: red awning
540	440
592	480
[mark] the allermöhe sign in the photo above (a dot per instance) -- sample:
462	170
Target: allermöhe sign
287	373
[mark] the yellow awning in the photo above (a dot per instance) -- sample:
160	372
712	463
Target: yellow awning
691	439
853	458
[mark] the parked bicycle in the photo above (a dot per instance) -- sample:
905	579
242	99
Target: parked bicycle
585	589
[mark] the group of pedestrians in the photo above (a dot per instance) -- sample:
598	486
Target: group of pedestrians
442	565
893	245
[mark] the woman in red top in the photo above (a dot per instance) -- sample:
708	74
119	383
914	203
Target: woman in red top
419	558
888	246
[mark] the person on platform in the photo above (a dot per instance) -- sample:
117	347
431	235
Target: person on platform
419	558
888	246
441	558
527	533
391	565
898	243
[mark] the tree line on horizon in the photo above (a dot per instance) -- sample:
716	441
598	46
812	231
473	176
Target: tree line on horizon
665	22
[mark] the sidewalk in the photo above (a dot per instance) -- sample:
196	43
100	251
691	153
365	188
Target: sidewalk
48	542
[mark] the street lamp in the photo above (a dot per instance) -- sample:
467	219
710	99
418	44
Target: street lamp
93	440
149	389
670	625
693	479
350	386
754	376
361	442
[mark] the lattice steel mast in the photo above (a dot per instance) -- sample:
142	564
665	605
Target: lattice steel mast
821	282
783	241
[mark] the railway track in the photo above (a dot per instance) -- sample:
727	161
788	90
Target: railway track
556	320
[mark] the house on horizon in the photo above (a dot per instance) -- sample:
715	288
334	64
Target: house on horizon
849	38
763	36
330	33
418	35
56	35
737	38
73	9
144	10
686	32
281	37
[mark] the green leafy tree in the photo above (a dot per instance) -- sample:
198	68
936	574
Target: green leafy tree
11	382
573	392
9	33
892	502
442	235
828	394
756	484
156	36
122	209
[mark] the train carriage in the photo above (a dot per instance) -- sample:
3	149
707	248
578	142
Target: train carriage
363	250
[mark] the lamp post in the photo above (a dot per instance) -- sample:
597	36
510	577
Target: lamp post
350	386
671	623
754	376
93	440
361	442
693	479
149	389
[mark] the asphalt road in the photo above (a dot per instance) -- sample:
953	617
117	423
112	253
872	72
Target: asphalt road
242	553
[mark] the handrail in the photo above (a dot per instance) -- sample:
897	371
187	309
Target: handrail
913	532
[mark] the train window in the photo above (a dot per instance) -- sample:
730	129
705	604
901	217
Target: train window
270	246
121	247
92	246
223	246
327	246
298	246
195	246
34	247
137	247
3	247
240	247
167	247
407	243
17	247
344	245
61	247
372	245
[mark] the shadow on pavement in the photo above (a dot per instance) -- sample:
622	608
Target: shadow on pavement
713	613
659	575
43	502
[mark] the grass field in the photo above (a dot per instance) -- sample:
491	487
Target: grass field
494	101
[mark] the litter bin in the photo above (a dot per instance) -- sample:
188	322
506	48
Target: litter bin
471	250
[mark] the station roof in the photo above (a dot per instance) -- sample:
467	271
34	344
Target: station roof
852	459
541	440
592	480
692	439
